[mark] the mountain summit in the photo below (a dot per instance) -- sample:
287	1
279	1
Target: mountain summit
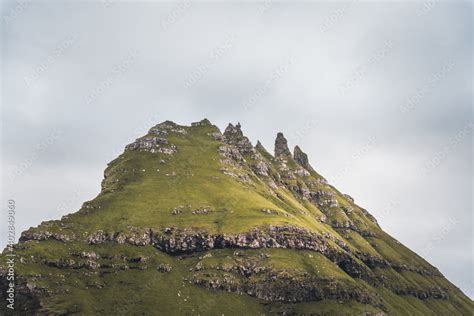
192	221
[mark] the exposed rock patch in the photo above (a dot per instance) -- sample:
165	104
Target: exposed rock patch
164	268
324	199
216	136
203	122
33	234
268	211
201	210
281	147
167	127
285	285
233	136
261	168
301	158
152	144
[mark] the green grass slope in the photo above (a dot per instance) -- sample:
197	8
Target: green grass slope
185	225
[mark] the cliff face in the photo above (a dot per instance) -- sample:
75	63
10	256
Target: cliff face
193	221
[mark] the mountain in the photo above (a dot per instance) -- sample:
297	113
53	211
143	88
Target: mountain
191	221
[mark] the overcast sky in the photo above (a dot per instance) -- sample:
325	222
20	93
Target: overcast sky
378	95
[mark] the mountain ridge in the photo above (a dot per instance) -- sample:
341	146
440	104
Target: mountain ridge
235	226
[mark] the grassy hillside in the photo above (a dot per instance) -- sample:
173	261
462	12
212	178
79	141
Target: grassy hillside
190	221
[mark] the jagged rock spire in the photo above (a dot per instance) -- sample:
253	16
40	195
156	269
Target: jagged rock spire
204	121
281	147
301	158
233	136
259	146
233	131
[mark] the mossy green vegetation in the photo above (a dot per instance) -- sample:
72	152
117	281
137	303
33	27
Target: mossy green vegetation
194	179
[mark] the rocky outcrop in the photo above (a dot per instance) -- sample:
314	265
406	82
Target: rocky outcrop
434	292
231	154
400	267
281	147
261	149
152	144
233	136
284	285
343	224
245	269
350	198
369	216
137	237
181	241
177	241
216	136
300	190
167	127
324	199
62	263
301	158
202	122
34	234
234	162
164	267
261	168
302	172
